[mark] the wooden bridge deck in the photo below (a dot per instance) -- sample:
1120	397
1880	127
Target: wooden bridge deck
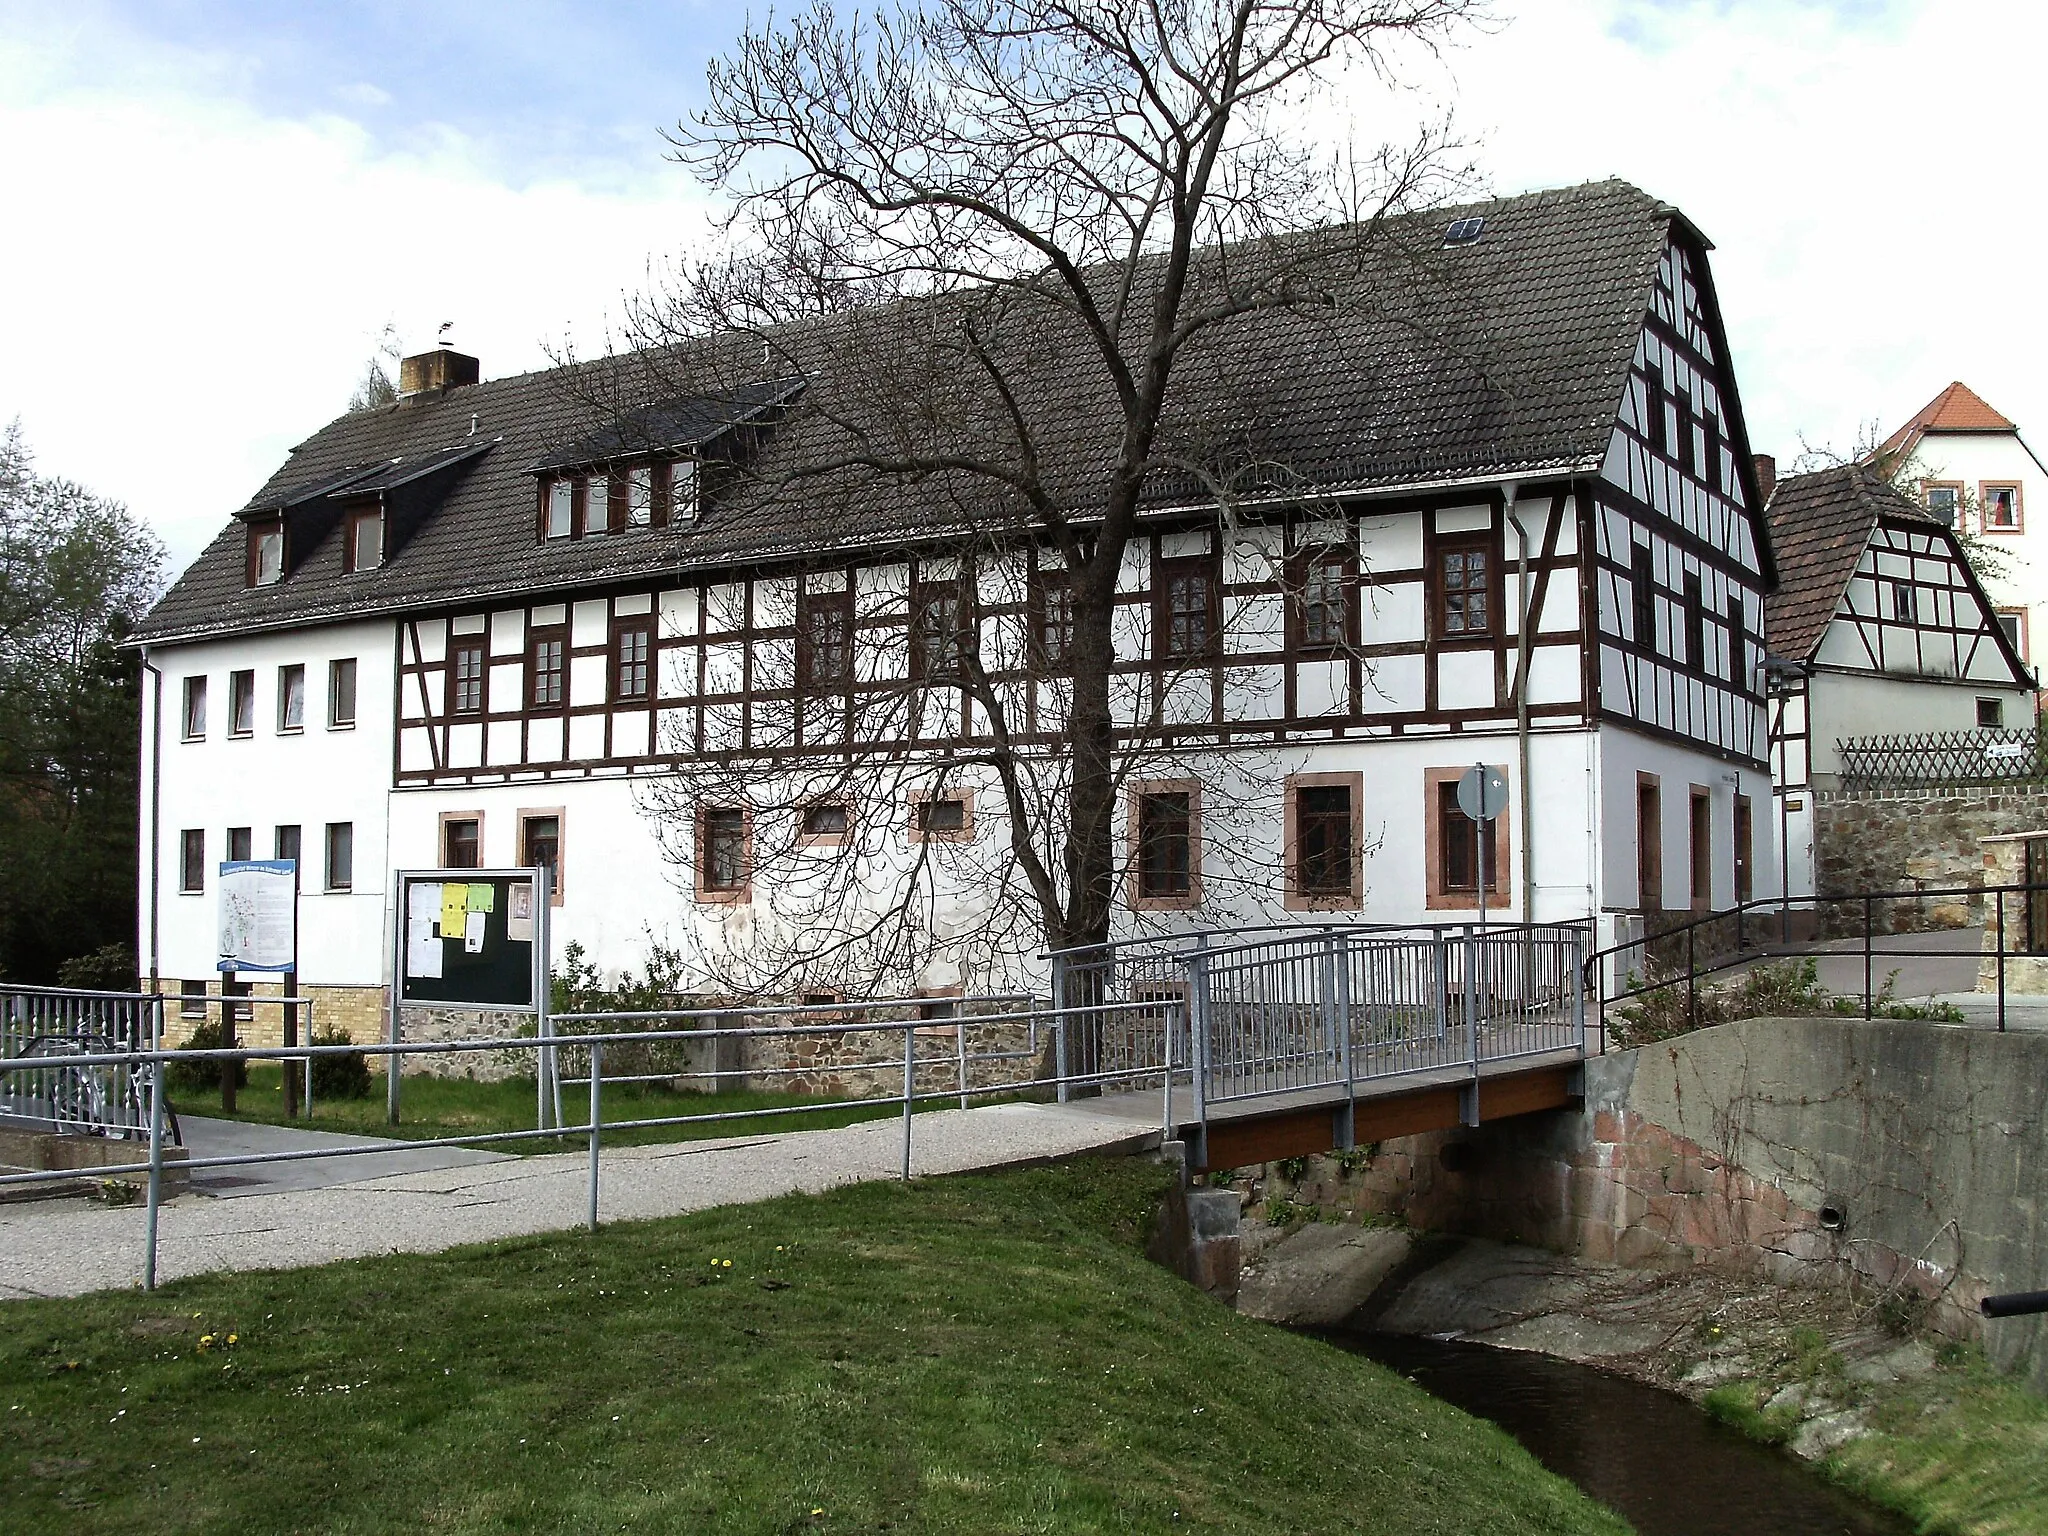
1305	1121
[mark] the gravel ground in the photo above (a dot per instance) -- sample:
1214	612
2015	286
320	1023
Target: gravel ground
69	1247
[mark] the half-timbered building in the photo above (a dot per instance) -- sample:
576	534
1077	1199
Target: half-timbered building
1879	626
480	627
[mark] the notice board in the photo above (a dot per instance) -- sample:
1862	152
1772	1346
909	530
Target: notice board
468	937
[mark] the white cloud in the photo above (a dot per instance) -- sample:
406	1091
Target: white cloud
203	284
194	285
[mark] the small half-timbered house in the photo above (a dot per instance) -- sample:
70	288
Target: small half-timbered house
480	627
1879	626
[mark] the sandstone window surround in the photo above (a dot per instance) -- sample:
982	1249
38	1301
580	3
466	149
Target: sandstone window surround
1455	854
1323	855
1165	840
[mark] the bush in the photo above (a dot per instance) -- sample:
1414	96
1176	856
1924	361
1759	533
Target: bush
204	1076
110	968
339	1077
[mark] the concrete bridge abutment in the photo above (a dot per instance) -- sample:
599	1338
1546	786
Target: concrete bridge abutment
1904	1159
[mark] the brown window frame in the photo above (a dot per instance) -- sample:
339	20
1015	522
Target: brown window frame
286	674
1047	657
1699	840
1295	898
1302	566
1650	849
1957	487
924	634
1138	793
527	815
1745	849
241	703
536	637
1695	605
641	625
1171	570
193	692
742	891
349	523
549	484
964	833
458	818
806	838
260	530
1440	894
461	648
338	668
192	861
1465	544
1642	594
2019	511
327	870
811	607
241	845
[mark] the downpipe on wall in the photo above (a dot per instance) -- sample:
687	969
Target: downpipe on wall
1522	622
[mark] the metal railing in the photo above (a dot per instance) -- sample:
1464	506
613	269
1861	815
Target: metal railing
1348	1008
146	1065
45	1032
1683	957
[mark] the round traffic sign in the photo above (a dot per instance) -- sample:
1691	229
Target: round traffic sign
1483	793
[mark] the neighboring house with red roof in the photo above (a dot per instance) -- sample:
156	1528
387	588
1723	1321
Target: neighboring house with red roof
1878	626
1976	473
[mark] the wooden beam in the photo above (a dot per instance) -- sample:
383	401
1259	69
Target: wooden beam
1243	1140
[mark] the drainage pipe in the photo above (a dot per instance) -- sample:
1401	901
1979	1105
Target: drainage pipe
1522	623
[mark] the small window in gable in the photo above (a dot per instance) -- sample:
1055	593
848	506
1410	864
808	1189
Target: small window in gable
364	550
266	553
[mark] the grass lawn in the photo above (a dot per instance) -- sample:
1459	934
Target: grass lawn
440	1106
1962	1451
973	1354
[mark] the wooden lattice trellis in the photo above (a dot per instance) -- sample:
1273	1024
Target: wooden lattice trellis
1931	758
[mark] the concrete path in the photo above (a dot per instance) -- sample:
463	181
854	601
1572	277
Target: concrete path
66	1248
383	1157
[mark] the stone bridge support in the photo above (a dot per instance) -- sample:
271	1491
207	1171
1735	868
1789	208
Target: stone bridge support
1884	1155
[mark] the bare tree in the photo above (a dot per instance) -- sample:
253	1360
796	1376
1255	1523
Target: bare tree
1033	258
374	389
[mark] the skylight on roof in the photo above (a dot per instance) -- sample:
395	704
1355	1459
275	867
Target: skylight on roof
1464	231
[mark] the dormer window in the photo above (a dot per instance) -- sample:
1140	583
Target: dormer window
266	553
640	497
682	490
364	550
558	510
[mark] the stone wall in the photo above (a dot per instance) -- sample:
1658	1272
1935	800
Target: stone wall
1901	1158
1891	840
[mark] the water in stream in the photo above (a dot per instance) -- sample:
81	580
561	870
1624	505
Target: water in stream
1651	1456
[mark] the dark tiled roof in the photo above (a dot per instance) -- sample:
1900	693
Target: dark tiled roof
669	426
1428	365
1820	524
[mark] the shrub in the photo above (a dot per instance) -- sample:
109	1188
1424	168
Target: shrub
204	1076
110	968
339	1077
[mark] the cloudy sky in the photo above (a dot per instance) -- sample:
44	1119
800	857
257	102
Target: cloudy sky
215	206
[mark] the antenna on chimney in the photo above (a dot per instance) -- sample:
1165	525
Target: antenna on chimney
441	336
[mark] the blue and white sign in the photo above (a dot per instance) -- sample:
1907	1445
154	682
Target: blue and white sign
259	915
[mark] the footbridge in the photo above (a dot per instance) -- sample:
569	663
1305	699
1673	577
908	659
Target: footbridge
1286	1042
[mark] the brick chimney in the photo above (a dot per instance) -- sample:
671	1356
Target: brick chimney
1766	475
429	375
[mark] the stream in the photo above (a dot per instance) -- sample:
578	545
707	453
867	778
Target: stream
1651	1456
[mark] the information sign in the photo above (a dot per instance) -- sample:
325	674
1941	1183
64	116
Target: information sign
259	915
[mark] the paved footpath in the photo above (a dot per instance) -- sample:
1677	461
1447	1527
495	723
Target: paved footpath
68	1247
